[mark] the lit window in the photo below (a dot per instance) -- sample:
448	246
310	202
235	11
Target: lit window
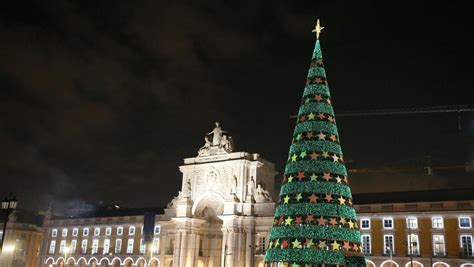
156	245
364	223
437	222
96	231
106	246
387	223
366	245
130	246
438	246
95	246
118	246
413	245
84	246
64	232
54	232
73	246
412	223
131	230
157	230
466	245
388	245
62	246
120	230
464	222
142	246
75	232
52	246
85	232
108	231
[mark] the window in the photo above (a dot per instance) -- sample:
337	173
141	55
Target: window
466	245
62	246
73	246
157	230
388	223
366	245
156	245
95	246
464	222
131	230
52	247
118	246
413	245
438	245
120	230
54	232
130	246
64	232
96	231
75	231
388	245
142	246
84	246
108	231
437	223
106	246
85	232
364	223
412	223
170	249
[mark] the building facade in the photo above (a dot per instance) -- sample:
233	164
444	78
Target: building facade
221	217
22	242
223	214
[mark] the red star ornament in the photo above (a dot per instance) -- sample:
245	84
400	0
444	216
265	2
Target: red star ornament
327	176
284	243
314	155
333	137
318	98
321	221
333	221
310	218
309	135
328	197
313	198
300	176
346	246
298	220
302	118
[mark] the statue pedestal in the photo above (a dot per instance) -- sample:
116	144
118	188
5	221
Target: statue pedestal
184	207
231	205
249	206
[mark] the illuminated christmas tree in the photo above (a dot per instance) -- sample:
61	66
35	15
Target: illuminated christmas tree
315	222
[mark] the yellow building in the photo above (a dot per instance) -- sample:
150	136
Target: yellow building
426	228
23	238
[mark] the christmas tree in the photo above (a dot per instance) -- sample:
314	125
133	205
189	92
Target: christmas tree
315	223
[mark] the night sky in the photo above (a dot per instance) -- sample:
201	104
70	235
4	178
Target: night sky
101	101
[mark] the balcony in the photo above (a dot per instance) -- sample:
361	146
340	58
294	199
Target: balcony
439	254
466	255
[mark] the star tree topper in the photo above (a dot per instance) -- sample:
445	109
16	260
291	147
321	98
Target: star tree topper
317	29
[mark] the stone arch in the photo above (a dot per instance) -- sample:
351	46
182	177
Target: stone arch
154	262
116	262
467	265
92	262
81	262
209	206
370	263
128	262
389	263
104	262
60	262
49	261
440	264
70	262
140	262
415	264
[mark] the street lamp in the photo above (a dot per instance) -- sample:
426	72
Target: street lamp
389	248
66	251
8	206
152	248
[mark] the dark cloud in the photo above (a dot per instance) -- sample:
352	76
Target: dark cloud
102	101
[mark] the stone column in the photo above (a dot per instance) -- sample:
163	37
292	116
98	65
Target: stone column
249	248
224	250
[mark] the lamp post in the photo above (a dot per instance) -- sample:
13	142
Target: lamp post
152	248
8	206
389	248
66	251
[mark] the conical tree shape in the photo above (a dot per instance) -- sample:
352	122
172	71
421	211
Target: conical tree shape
315	223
